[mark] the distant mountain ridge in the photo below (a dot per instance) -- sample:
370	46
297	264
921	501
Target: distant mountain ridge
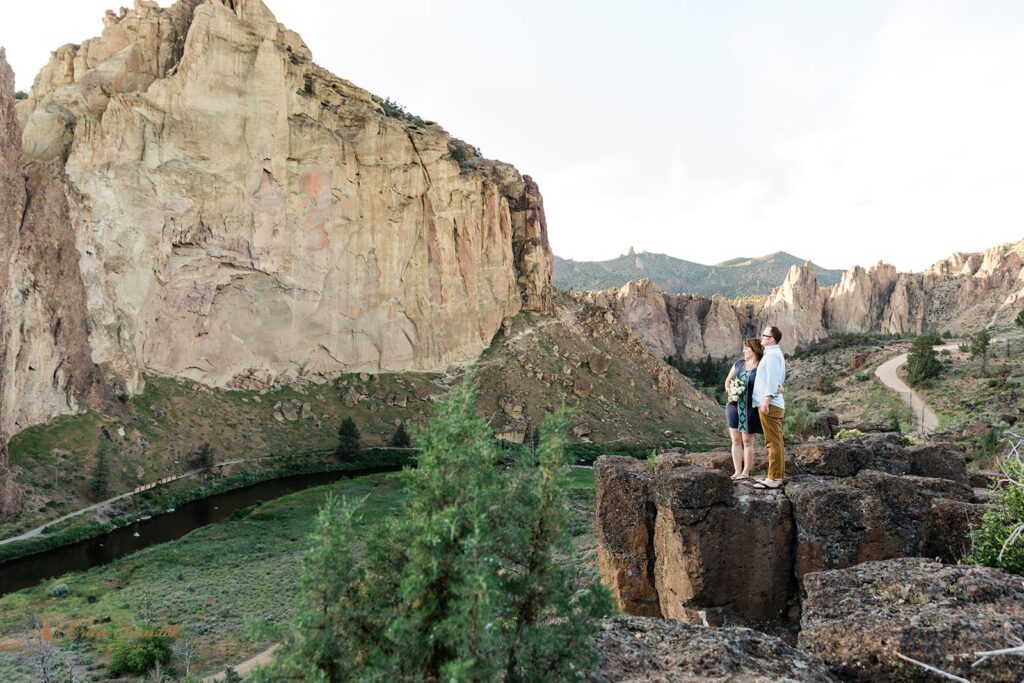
733	278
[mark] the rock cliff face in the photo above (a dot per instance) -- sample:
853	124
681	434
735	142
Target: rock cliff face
678	539
962	294
12	206
209	203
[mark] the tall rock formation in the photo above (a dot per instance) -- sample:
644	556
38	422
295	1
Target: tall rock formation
796	308
962	294
220	208
12	206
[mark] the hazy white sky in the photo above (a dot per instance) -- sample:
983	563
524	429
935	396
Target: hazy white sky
842	132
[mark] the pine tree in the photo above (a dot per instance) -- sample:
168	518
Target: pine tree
922	363
551	621
979	347
202	458
1019	320
348	440
462	585
99	482
401	438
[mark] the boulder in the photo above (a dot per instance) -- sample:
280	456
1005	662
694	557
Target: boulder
939	460
511	406
717	550
598	363
513	432
583	387
947	533
857	620
634	649
624	525
872	516
984	479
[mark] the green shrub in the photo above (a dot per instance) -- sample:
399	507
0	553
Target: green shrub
20	95
848	433
922	364
799	418
826	385
863	376
139	655
996	542
893	419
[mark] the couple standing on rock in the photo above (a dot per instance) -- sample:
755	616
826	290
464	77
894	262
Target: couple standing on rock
756	406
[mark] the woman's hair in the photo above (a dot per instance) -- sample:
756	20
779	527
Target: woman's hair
755	345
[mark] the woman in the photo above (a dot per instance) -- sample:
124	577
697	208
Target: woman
741	415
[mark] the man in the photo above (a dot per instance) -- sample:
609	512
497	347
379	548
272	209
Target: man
767	396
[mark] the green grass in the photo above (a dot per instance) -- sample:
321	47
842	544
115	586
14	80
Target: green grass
215	580
222	578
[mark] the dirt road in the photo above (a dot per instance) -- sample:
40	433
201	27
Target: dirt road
925	420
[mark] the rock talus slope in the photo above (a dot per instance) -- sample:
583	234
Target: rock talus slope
221	208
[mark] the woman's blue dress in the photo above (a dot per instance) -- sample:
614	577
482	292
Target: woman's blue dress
743	415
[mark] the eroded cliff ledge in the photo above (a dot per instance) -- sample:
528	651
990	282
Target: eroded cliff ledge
211	204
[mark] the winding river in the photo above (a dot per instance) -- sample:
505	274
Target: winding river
23	572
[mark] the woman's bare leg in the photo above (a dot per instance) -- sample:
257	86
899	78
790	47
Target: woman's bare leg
737	451
748	454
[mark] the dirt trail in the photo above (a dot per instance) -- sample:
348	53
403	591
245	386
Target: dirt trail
925	419
248	665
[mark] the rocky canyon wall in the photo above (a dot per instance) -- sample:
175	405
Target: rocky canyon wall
207	202
962	294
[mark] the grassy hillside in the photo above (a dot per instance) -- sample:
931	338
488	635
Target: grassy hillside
733	278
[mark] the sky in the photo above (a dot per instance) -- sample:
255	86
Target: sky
841	132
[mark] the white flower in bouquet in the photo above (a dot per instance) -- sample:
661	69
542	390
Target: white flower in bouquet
736	389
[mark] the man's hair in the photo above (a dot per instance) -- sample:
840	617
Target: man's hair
776	334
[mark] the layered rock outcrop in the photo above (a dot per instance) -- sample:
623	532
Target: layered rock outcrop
859	620
221	208
961	294
677	538
660	651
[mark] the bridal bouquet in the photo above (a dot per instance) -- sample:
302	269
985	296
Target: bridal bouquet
735	389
